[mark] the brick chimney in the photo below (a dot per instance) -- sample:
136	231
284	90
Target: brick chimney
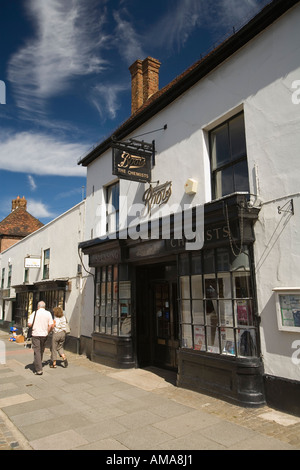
19	203
144	81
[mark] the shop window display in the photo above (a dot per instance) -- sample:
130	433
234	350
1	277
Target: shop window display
216	300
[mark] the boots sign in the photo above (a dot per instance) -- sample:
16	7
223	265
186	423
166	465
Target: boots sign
132	162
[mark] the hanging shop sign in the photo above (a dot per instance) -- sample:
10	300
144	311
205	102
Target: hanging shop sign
133	160
32	262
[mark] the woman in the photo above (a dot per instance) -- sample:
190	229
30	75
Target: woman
58	337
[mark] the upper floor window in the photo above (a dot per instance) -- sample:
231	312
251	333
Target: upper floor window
112	207
229	157
46	264
9	275
2	278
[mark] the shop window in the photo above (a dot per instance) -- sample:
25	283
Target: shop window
112	314
46	264
229	158
216	300
112	208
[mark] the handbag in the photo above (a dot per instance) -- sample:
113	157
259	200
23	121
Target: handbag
29	332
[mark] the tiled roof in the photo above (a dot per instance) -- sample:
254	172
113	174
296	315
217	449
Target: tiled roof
19	223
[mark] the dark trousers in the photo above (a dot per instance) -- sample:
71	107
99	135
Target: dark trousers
38	346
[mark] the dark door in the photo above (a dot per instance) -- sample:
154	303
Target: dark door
165	328
156	316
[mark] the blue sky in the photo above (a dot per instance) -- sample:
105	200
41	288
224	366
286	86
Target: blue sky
65	65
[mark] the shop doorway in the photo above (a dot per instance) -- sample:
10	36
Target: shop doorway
157	316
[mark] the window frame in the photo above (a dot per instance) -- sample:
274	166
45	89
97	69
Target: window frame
217	192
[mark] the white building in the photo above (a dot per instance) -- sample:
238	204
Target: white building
226	140
46	266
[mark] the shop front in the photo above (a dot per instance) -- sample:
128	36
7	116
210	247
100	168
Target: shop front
156	303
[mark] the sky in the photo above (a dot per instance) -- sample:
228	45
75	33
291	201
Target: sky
65	83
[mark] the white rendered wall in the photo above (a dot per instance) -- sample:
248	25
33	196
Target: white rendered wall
258	79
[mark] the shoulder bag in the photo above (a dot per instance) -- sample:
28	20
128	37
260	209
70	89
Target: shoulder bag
29	332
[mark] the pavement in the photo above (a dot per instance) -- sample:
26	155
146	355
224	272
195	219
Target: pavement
88	406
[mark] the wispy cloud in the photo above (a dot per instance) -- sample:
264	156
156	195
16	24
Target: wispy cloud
32	183
41	154
106	98
67	44
127	40
185	16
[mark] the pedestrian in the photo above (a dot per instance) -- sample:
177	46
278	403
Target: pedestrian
42	323
58	337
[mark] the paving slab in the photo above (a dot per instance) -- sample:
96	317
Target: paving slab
88	406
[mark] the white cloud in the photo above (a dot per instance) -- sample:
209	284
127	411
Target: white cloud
40	154
38	209
126	39
105	99
32	183
67	43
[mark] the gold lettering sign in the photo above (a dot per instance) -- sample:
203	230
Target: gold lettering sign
131	161
157	195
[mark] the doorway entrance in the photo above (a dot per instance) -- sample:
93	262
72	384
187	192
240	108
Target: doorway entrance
157	316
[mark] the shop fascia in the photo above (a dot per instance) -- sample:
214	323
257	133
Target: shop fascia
167	222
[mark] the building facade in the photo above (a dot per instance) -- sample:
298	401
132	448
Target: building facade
202	297
46	266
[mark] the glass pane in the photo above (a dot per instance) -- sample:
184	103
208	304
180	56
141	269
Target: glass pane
187	340
197	291
241	262
224	281
108	325
198	313
102	324
184	264
226	313
241	178
212	339
115	325
199	338
196	263
247	343
225	182
223	259
243	309
227	341
242	285
186	311
209	261
220	147
185	287
237	137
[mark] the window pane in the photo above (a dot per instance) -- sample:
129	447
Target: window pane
220	147
212	339
241	179
247	343
242	285
226	316
186	311
199	338
243	309
187	340
185	287
197	292
184	264
227	341
237	137
198	313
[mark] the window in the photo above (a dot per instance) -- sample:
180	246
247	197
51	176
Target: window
9	275
112	208
2	278
216	301
229	158
46	264
112	303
